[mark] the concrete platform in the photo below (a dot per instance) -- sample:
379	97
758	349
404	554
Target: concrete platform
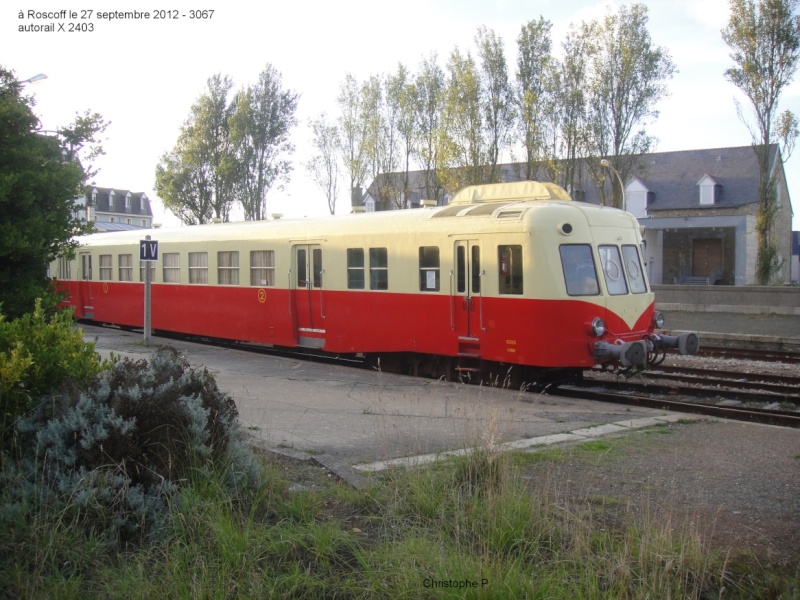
343	417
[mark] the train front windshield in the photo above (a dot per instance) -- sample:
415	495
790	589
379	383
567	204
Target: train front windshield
621	268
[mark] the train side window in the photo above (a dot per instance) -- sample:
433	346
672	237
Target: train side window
355	268
429	269
509	260
64	269
262	268
378	269
633	267
612	270
580	275
228	268
316	267
142	274
198	267
172	267
476	269
125	267
106	268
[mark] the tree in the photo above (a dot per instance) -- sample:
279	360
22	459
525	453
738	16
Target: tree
324	164
260	124
462	146
429	85
352	135
627	81
40	177
196	180
764	38
402	93
534	96
496	99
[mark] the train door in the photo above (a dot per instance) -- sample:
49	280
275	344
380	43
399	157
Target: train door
308	301
467	297
85	300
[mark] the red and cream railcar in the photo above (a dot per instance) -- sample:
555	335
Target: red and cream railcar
506	274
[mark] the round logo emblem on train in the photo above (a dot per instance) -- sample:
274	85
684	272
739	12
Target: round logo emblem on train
262	295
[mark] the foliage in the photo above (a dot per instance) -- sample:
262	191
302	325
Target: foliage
626	82
111	457
260	123
352	125
40	176
535	95
324	164
514	533
229	150
195	180
596	101
39	353
764	38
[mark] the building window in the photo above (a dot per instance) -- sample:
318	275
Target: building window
510	269
128	201
355	268
144	222
172	267
228	268
106	269
198	267
429	269
126	267
262	268
378	269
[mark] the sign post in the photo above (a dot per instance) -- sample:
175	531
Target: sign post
148	253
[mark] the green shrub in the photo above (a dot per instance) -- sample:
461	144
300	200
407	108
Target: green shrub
39	352
112	456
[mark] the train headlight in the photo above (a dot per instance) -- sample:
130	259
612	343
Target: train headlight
598	327
658	320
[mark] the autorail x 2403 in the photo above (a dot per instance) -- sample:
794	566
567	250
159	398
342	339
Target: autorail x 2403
513	282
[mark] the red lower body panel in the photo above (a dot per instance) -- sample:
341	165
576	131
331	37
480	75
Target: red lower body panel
509	329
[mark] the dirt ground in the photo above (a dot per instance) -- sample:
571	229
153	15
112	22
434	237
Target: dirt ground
738	483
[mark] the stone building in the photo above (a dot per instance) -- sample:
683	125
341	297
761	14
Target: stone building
698	208
113	209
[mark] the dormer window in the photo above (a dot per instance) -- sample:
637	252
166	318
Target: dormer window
112	200
710	190
94	197
128	201
637	195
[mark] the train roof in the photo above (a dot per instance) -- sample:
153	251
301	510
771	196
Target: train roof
484	209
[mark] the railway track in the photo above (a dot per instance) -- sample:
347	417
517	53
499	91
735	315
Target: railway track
756	415
768	355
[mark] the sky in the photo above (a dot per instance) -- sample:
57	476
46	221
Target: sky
143	75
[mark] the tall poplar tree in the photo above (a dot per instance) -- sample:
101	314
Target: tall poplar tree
764	38
262	119
628	79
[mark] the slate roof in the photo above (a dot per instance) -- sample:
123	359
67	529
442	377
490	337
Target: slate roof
671	178
140	204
